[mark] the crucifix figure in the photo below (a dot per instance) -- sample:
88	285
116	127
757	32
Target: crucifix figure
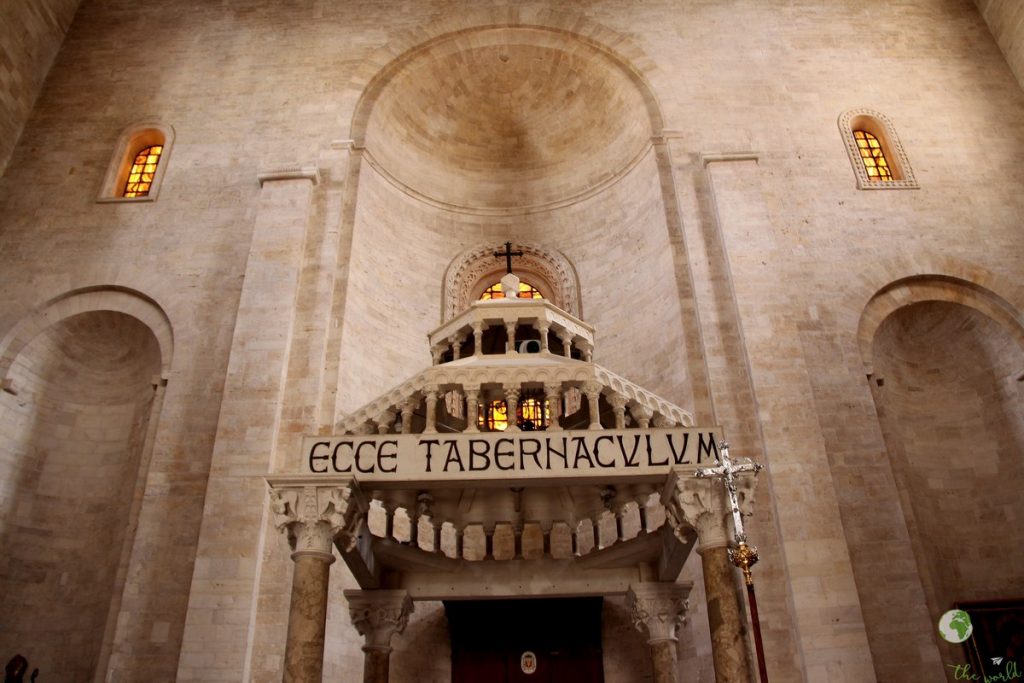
507	254
743	556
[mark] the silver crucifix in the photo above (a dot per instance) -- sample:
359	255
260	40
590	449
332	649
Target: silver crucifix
727	472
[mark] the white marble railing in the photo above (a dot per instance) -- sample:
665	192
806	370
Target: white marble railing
415	405
512	315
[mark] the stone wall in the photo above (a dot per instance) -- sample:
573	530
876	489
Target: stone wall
1005	18
31	33
775	257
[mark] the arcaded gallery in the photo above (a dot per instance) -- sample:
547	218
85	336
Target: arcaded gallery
451	341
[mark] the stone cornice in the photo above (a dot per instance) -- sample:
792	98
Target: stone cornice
289	172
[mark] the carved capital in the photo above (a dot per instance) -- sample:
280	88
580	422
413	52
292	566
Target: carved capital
315	517
662	421
378	615
641	415
658	609
384	420
703	504
700	504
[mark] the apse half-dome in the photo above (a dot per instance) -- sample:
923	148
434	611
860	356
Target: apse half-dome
507	118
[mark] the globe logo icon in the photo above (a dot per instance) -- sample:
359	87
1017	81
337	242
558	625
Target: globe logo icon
955	626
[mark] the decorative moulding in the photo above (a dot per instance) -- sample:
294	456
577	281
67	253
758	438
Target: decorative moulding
712	157
293	172
474	269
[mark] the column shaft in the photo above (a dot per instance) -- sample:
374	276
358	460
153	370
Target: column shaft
376	666
663	655
307	619
728	646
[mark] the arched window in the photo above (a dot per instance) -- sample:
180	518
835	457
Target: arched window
875	151
142	171
526	291
871	153
138	163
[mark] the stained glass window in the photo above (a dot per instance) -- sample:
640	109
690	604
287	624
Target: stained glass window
140	176
526	291
871	154
493	416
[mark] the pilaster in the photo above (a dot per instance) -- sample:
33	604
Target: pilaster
227	565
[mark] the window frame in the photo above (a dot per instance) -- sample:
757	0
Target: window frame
133	139
878	125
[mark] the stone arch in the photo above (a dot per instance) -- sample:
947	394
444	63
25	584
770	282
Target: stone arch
81	398
922	288
467	272
944	351
99	298
366	85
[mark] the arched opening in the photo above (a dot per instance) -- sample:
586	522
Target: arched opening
75	416
947	386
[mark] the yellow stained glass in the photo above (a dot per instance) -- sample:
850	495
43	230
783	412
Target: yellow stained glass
526	291
875	163
494	415
140	176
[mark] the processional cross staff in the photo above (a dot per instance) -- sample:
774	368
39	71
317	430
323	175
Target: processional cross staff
743	555
507	255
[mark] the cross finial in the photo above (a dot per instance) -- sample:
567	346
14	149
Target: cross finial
507	255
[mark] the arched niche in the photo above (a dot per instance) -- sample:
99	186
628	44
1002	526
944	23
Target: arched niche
81	392
945	360
476	268
529	127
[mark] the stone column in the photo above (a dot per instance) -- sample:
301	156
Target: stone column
512	393
378	615
430	407
510	332
702	505
544	328
553	395
408	410
618	403
478	339
472	408
593	392
641	415
313	517
566	338
658	609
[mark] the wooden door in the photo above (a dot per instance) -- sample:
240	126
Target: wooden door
490	637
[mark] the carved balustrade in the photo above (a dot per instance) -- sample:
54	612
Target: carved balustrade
515	321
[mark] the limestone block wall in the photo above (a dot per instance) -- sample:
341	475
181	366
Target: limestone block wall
71	447
31	33
1005	18
780	297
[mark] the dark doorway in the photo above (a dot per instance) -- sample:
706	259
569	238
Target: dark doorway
489	639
